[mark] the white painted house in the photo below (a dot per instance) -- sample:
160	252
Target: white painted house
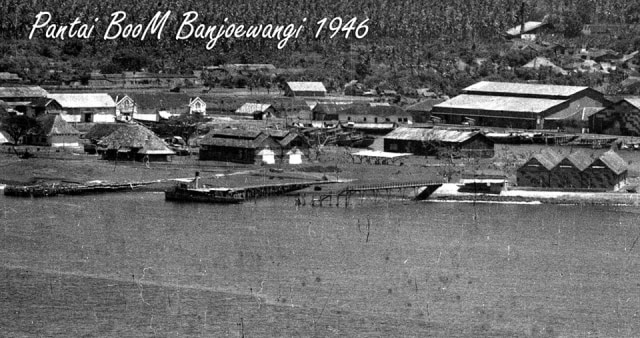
86	107
197	106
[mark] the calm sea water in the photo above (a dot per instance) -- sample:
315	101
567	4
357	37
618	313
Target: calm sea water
136	265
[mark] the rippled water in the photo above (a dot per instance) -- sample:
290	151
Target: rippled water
134	264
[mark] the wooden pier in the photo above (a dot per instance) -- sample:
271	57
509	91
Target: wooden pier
375	189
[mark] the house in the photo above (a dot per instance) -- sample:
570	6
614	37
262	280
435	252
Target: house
568	173
19	98
621	118
125	107
197	106
438	142
54	131
518	105
147	105
86	107
375	114
542	62
290	139
256	111
536	172
98	131
235	145
526	32
327	111
305	89
609	172
134	142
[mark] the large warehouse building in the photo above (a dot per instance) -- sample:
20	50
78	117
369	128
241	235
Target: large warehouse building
516	105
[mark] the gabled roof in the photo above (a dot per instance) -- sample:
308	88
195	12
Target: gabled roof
22	91
135	136
5	137
431	134
612	160
84	100
252	108
236	138
193	100
528	27
542	61
528	89
306	86
53	124
548	158
634	101
500	103
159	101
580	159
424	105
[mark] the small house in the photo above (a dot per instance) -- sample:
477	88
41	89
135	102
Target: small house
438	142
527	31
197	106
125	107
235	145
54	131
609	172
568	173
305	89
256	111
375	114
134	142
536	172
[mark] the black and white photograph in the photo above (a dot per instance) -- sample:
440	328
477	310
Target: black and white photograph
364	168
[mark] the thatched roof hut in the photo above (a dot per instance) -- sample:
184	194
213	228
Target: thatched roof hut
135	142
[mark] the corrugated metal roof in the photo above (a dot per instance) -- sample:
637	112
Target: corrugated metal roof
307	86
579	115
430	134
251	108
548	158
530	89
84	100
580	159
499	103
20	91
616	163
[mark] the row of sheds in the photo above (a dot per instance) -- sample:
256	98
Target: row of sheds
578	170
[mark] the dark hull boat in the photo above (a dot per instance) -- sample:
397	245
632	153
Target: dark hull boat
210	195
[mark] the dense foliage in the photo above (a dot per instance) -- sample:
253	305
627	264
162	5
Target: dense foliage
410	43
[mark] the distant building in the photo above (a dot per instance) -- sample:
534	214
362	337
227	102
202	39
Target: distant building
6	77
568	173
528	32
54	131
622	118
375	114
421	111
609	172
86	107
235	145
142	80
435	141
327	111
134	142
125	107
19	98
536	172
305	89
518	105
197	106
256	111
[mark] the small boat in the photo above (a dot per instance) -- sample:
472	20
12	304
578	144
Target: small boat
182	192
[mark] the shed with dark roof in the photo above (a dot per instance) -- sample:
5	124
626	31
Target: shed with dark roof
54	131
609	171
236	145
536	172
569	173
435	141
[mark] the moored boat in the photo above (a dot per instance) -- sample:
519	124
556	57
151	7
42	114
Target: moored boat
182	192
